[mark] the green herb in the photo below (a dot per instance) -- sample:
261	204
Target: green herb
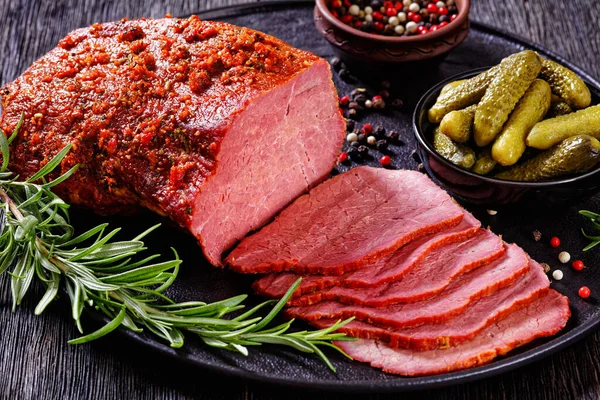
595	219
38	241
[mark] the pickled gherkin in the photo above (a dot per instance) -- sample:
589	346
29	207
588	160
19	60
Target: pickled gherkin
451	85
458	154
459	124
514	77
467	93
558	107
484	163
566	84
510	143
576	154
549	132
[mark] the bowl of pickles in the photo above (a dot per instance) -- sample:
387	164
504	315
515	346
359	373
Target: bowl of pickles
525	131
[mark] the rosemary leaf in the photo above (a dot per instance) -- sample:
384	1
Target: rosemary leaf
37	240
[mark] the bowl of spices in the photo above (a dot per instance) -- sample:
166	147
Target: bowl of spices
392	31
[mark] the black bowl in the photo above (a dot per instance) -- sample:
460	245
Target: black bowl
471	188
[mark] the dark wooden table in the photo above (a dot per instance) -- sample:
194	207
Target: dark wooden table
35	360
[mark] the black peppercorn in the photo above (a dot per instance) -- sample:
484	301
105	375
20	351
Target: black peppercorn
352	113
363	151
385	94
397	104
433	18
355	144
393	136
346	76
424	13
362	138
382	145
353	153
379	131
376	4
360	99
416	156
350	125
336	63
444	18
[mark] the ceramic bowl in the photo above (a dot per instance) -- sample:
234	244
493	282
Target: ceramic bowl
482	190
355	45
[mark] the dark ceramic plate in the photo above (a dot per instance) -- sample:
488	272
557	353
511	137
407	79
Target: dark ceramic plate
292	22
488	191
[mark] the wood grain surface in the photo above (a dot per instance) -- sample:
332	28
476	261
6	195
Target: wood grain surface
35	360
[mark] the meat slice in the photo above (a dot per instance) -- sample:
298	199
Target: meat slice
348	221
429	276
385	269
479	315
218	127
544	317
453	301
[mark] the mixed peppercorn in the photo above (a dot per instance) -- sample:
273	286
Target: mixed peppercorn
564	257
395	18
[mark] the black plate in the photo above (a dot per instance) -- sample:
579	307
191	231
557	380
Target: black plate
292	22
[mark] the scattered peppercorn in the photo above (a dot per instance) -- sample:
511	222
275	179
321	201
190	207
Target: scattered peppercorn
352	113
564	257
537	235
492	212
557	274
363	151
362	138
352	137
350	124
355	144
367	129
353	153
385	161
353	105
584	292
344	101
546	267
382	145
555	242
394	136
371	140
343	156
578	265
416	156
336	64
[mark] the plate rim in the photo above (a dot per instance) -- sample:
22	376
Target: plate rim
396	383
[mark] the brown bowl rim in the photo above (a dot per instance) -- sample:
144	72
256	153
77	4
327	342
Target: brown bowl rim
463	16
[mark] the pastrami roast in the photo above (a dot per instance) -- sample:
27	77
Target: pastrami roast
216	126
544	317
382	270
347	222
459	295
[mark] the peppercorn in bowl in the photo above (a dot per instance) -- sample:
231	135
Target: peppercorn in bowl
392	31
540	155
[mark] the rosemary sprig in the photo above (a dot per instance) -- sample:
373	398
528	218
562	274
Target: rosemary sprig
37	240
595	219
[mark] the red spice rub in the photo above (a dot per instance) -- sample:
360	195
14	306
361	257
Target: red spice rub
145	104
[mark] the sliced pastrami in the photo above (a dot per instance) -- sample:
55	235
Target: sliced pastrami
385	269
462	328
347	222
453	301
544	317
429	276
